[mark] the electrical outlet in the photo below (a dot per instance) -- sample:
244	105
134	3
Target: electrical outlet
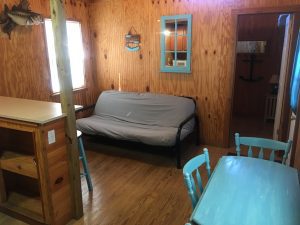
51	137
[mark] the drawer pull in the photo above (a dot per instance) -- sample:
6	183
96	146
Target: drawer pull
59	180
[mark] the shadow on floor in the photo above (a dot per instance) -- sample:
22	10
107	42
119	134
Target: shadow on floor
156	155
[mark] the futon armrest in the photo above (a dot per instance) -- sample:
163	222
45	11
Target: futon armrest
190	117
186	120
177	144
86	108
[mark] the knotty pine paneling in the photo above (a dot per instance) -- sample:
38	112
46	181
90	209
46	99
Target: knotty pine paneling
213	32
121	66
24	64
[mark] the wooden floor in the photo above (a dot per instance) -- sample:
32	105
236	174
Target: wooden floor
251	126
133	187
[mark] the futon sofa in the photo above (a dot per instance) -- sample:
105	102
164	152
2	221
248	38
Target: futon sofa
152	119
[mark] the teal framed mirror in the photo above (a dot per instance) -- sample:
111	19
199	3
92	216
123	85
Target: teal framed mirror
176	43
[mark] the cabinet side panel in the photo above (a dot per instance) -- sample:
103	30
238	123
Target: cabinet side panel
43	175
58	168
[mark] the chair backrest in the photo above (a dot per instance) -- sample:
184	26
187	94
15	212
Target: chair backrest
191	169
262	144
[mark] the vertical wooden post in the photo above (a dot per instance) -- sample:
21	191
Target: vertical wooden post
66	98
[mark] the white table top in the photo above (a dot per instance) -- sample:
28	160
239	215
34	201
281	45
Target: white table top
33	111
250	191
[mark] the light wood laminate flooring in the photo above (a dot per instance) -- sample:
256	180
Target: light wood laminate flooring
134	187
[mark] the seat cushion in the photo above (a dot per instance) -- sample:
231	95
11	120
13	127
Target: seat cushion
144	108
123	130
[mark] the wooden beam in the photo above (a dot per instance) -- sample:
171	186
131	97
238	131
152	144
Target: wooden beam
66	98
285	118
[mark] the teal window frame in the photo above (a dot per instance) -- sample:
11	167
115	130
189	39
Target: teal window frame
175	68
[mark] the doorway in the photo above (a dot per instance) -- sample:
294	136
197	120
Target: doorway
260	42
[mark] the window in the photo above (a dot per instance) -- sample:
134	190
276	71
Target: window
75	52
176	33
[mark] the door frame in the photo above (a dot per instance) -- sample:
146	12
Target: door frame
295	9
295	154
283	79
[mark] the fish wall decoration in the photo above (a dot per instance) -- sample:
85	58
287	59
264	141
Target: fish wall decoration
132	40
18	15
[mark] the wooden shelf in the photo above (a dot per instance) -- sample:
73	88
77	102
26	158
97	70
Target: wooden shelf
30	207
18	163
34	174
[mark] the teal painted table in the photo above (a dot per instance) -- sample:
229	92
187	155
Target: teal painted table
250	191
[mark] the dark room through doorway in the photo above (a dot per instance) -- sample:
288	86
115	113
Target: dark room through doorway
260	42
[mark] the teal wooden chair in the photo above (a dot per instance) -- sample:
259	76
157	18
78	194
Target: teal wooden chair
191	170
262	144
82	157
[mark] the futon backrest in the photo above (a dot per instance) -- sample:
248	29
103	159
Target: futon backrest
144	108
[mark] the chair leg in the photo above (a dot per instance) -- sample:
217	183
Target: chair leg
84	164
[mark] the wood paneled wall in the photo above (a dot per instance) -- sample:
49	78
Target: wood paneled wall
213	33
24	68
